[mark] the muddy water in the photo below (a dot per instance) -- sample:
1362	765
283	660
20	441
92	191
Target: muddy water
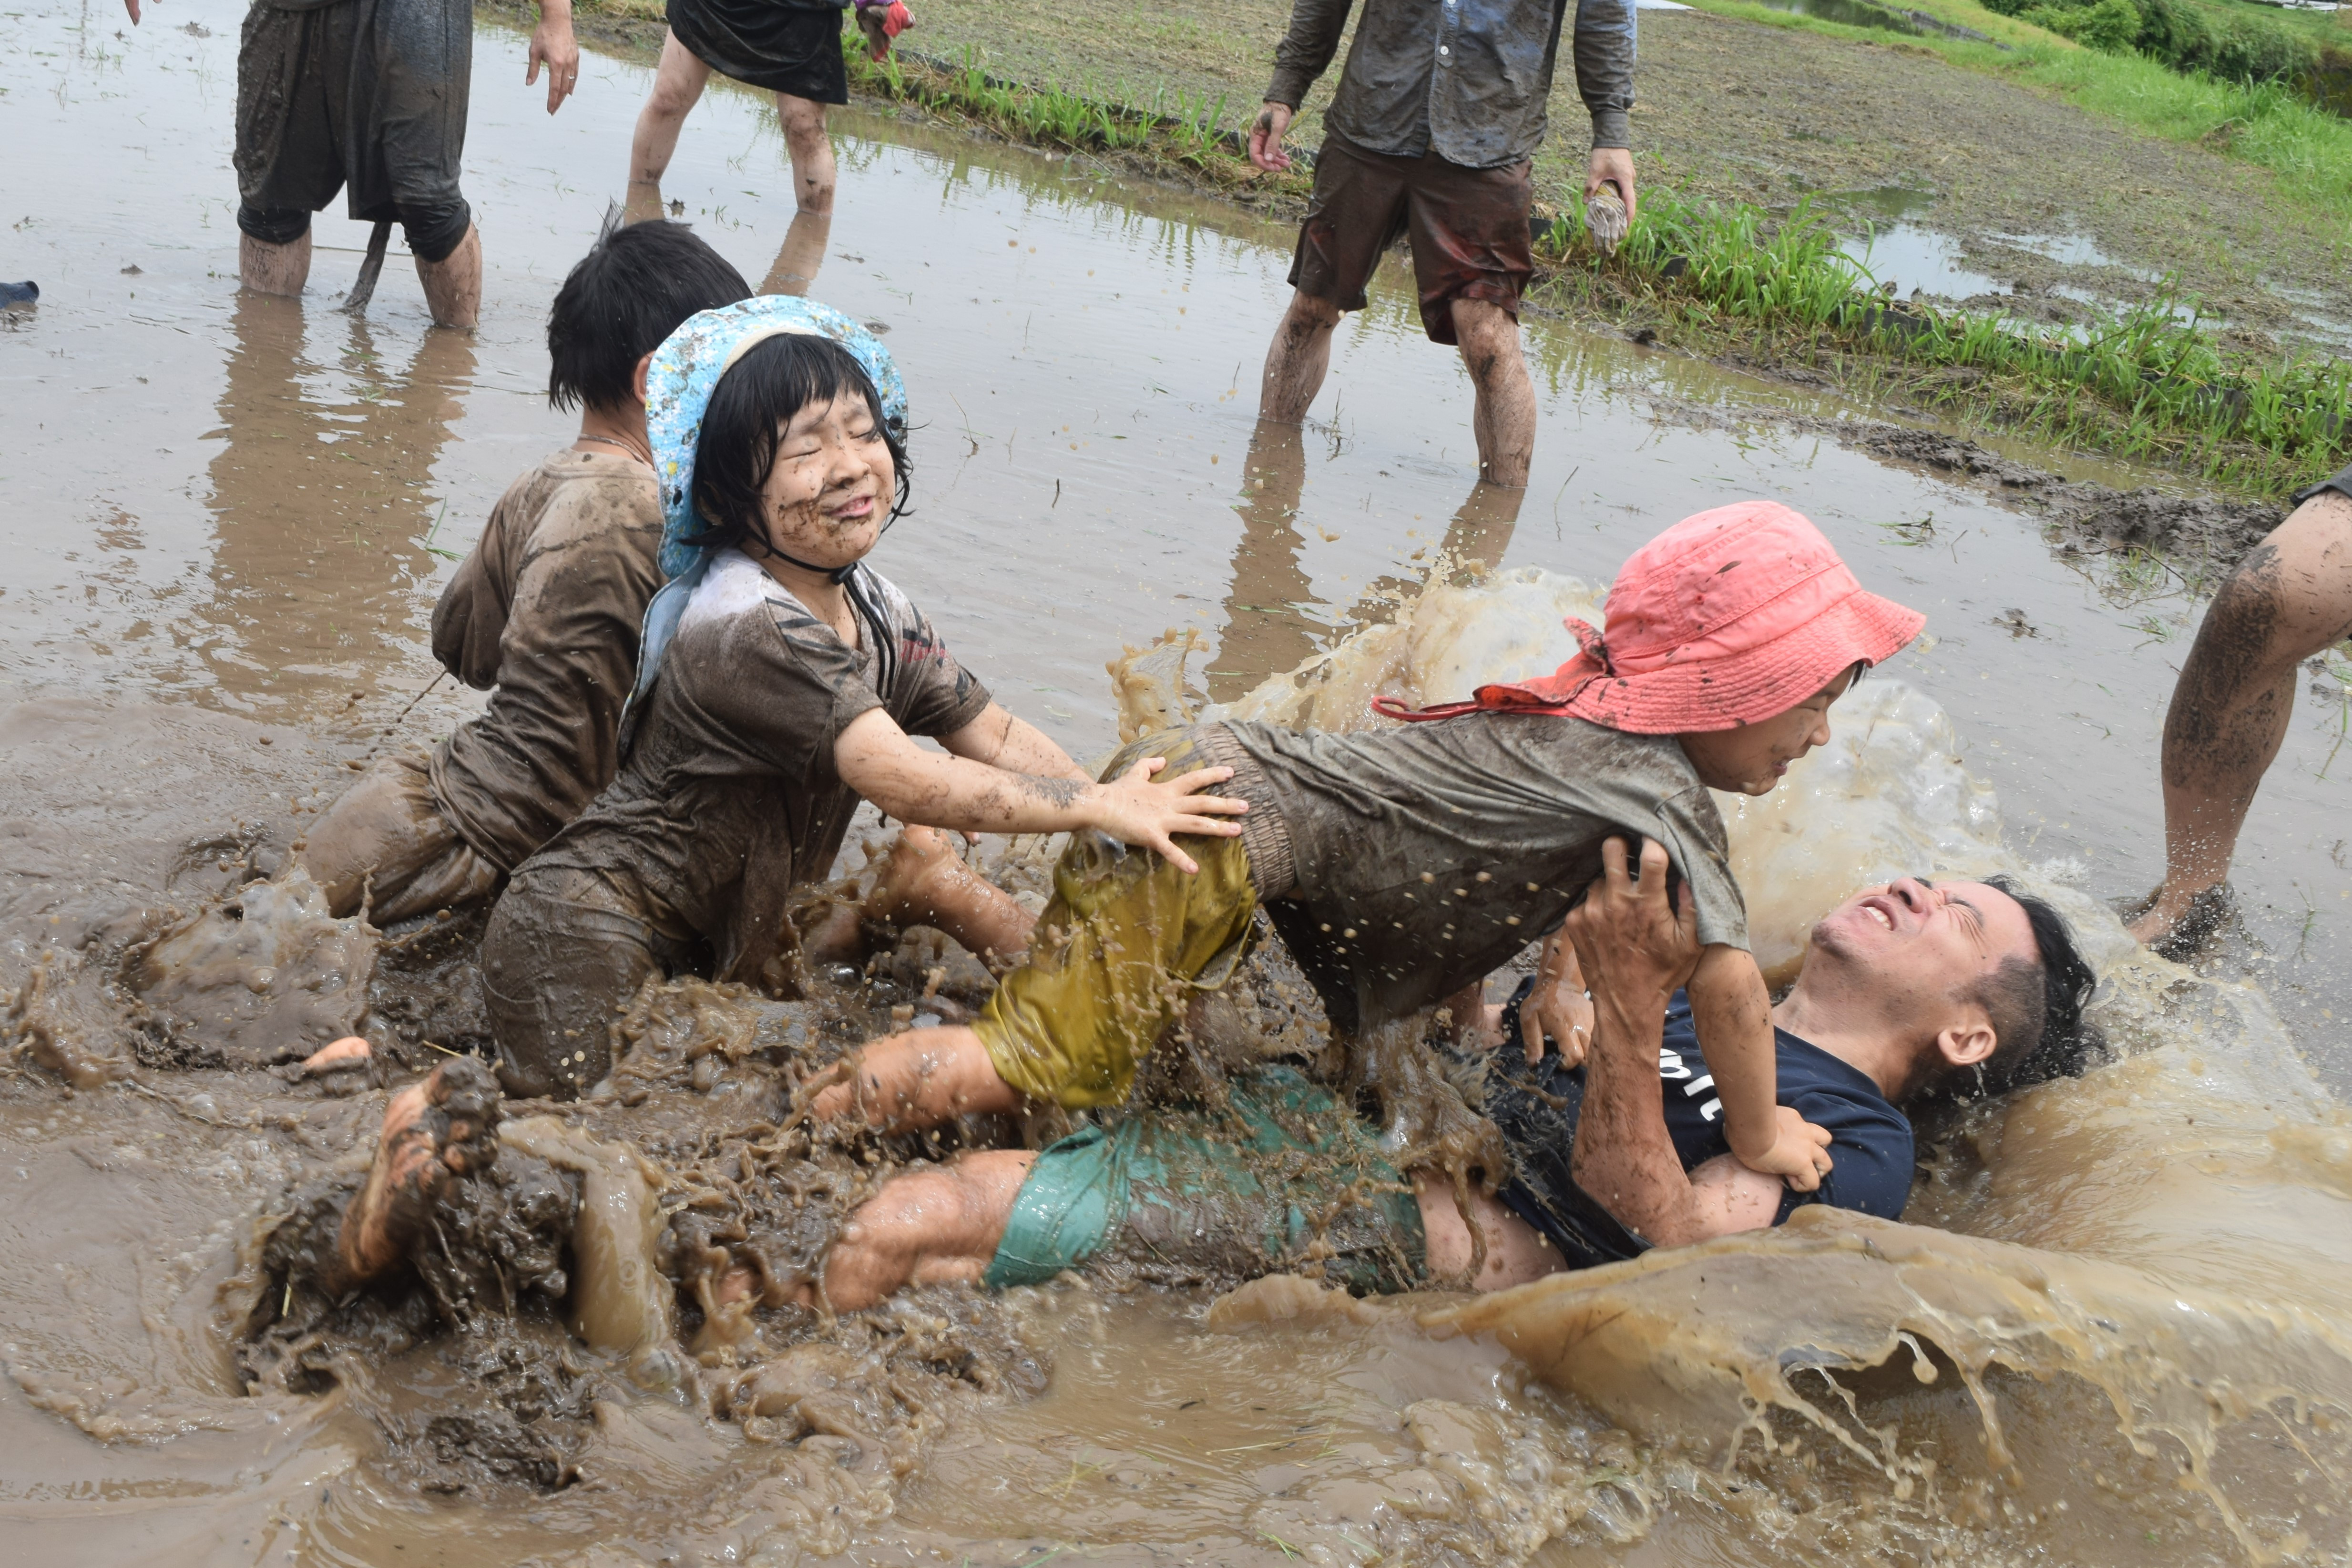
225	521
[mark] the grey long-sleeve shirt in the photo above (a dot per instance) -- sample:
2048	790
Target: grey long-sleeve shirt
1468	80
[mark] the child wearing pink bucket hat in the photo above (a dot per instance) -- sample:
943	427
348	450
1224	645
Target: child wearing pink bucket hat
1402	865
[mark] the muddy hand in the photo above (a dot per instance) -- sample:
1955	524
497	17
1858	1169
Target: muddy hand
553	45
1140	810
1612	166
442	1128
1265	138
1800	1154
1629	943
1559	1007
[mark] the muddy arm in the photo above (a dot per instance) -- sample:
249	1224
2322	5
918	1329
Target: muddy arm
1305	50
1000	740
1637	953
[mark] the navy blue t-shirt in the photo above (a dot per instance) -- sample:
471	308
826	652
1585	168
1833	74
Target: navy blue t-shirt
1537	1109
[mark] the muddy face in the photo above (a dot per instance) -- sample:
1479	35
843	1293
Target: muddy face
829	494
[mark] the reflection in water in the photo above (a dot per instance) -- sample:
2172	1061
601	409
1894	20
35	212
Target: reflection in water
1266	630
797	260
802	254
324	532
1263	629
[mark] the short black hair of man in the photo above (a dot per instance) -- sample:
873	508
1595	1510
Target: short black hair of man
636	286
2036	1009
745	423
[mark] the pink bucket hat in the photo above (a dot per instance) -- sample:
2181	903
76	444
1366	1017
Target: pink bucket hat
1727	618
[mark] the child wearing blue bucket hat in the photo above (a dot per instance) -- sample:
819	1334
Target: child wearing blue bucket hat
782	681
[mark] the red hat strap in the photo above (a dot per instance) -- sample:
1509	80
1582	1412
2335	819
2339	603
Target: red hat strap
1545	694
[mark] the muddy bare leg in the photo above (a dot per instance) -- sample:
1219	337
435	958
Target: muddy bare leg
679	81
2290	598
268	268
1297	360
812	152
1496	1252
433	1131
917	1079
1505	421
924	881
935	1226
453	285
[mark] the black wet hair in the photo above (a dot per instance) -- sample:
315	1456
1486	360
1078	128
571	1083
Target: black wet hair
636	286
745	424
2035	1008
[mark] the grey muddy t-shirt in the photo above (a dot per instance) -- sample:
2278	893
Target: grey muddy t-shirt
1425	856
727	798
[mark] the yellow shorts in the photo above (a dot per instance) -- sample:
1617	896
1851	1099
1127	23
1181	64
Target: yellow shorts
1126	942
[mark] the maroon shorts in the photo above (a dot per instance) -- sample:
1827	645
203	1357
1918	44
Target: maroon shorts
1468	226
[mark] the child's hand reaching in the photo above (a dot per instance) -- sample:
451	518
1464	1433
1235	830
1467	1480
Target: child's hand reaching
1135	809
1559	1006
1800	1154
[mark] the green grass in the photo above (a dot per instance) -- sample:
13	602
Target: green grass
2140	383
1190	128
2267	125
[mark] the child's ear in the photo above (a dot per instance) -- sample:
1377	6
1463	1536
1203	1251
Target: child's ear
638	377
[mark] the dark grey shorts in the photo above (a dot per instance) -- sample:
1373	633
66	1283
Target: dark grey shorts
564	954
364	96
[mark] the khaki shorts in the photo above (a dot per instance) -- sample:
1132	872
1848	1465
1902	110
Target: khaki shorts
1468	228
385	843
1122	948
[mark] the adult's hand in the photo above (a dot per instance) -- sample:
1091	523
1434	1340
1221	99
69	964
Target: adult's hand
1612	166
1558	1007
1636	951
1265	138
552	46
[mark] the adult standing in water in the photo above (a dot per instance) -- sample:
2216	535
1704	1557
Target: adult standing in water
792	48
1440	107
2289	599
368	96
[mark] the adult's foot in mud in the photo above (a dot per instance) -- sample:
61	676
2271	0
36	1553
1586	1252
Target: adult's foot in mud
917	1078
436	1131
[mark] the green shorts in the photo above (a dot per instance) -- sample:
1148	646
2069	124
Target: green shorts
1124	944
1282	1178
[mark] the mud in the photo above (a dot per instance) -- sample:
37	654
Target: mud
215	607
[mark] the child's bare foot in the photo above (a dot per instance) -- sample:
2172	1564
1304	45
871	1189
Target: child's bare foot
924	881
444	1127
918	1078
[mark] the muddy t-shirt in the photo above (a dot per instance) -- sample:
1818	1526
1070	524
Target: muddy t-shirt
1425	856
728	796
546	611
1537	1111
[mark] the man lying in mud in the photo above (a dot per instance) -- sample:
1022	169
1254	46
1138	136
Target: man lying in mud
1908	990
543	613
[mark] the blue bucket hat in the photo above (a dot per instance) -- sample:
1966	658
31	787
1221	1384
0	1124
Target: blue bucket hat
685	371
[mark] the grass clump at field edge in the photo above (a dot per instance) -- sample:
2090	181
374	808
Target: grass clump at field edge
1194	135
2142	383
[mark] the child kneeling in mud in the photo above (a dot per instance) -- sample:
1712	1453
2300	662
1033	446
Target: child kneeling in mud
782	681
543	613
1401	867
